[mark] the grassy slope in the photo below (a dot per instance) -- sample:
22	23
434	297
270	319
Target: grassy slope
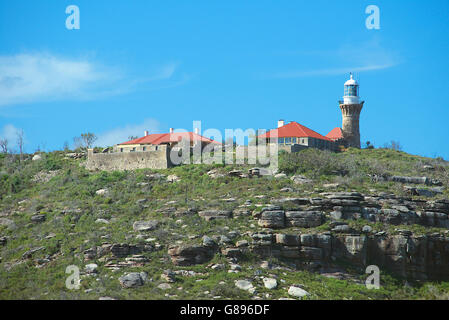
74	188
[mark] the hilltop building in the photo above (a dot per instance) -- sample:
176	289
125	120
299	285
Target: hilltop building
294	137
171	139
156	151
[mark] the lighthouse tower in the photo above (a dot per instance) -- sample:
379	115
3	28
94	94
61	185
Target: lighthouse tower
350	111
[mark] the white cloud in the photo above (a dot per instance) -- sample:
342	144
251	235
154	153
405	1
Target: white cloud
26	78
362	57
119	135
43	77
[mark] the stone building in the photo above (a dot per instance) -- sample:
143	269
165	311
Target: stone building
152	151
294	137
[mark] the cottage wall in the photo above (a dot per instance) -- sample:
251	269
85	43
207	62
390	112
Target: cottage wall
150	159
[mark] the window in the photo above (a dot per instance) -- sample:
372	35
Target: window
144	148
294	140
288	140
133	149
281	140
121	149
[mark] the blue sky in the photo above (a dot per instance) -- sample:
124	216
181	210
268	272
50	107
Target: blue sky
140	64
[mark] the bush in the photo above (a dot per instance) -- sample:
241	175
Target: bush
313	162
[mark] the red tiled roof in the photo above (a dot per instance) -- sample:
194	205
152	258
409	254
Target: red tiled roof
335	134
159	138
294	129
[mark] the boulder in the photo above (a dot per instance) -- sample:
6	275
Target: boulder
190	255
173	178
38	218
145	225
270	283
297	292
133	279
102	192
8	223
300	179
37	157
245	285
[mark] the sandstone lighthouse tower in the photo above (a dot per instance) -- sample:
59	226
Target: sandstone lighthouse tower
350	111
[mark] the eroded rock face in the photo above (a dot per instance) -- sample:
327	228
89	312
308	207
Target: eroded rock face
304	219
272	219
413	257
191	255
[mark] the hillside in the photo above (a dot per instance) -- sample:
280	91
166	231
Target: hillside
192	231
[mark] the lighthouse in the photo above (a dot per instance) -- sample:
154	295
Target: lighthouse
350	111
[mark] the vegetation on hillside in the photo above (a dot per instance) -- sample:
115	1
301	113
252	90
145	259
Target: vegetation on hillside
62	190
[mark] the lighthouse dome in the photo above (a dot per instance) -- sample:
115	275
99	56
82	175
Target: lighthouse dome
351	82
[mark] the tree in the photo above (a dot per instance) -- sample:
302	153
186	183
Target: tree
132	138
393	145
4	145
369	145
86	140
20	142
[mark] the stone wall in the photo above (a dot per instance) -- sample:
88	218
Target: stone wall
151	159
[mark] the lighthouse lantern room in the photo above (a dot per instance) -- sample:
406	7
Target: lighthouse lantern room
351	95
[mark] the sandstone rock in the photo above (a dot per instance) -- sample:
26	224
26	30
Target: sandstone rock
145	225
91	268
367	229
168	276
190	255
208	242
29	254
304	219
37	157
270	283
237	173
102	221
280	176
245	285
295	201
215	174
164	286
242	244
272	219
133	279
102	192
173	178
38	218
300	179
121	250
288	240
215	214
297	292
342	228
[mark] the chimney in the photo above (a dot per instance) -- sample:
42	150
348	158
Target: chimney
171	130
145	133
281	123
197	130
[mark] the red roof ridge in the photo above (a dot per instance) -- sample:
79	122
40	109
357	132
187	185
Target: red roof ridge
295	129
